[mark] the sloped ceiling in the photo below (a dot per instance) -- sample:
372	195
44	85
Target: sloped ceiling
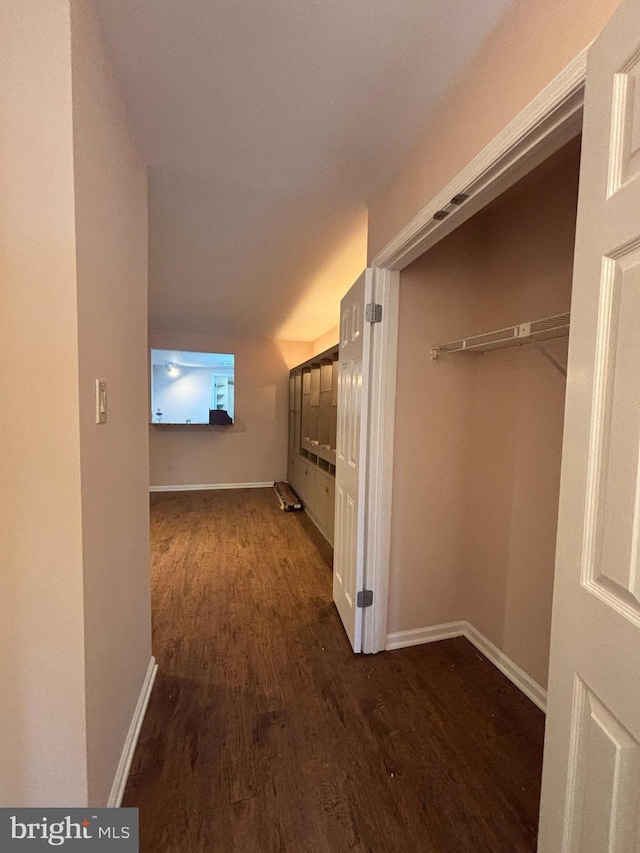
266	126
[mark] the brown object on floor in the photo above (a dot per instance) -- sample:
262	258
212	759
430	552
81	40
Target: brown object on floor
265	733
287	498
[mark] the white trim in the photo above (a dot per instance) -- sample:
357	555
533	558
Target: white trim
202	487
514	673
379	476
418	636
124	765
552	118
363	459
549	120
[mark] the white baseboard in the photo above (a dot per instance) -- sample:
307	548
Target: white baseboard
519	677
124	765
417	636
201	487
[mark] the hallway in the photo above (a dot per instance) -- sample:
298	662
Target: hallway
264	733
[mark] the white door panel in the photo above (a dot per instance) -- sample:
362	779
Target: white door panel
591	777
349	538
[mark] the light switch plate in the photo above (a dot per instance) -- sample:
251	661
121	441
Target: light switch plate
101	401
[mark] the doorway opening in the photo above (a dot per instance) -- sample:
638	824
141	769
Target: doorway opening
478	432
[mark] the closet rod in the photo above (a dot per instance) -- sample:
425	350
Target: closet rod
533	331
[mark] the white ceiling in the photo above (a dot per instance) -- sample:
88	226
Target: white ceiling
267	124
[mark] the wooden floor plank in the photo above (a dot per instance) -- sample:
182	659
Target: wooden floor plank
266	733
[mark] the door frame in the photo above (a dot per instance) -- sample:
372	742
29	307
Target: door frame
549	121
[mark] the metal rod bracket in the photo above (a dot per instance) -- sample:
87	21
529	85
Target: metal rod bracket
554	361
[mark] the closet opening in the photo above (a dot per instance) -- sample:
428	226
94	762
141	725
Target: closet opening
479	429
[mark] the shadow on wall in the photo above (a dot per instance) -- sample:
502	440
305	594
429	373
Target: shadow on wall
287	276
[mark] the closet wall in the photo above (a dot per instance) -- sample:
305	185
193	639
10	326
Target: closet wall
478	438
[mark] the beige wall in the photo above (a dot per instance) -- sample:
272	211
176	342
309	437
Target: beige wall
42	745
317	301
254	449
43	716
326	341
535	40
74	572
438	301
478	439
111	256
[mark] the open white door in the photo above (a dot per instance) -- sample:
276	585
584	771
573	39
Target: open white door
351	455
591	778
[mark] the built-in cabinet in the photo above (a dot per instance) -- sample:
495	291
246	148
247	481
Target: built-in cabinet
223	392
313	405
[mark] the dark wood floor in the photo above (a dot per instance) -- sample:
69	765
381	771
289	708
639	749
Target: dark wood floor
265	733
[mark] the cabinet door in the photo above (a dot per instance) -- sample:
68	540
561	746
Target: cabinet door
331	509
314	388
307	484
325	502
292	393
298	390
292	431
292	471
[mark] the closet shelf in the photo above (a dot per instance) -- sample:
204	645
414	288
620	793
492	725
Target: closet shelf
324	451
532	331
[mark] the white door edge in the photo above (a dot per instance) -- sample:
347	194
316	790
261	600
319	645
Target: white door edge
352	455
379	469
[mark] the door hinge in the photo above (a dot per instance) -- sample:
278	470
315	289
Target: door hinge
373	313
364	598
